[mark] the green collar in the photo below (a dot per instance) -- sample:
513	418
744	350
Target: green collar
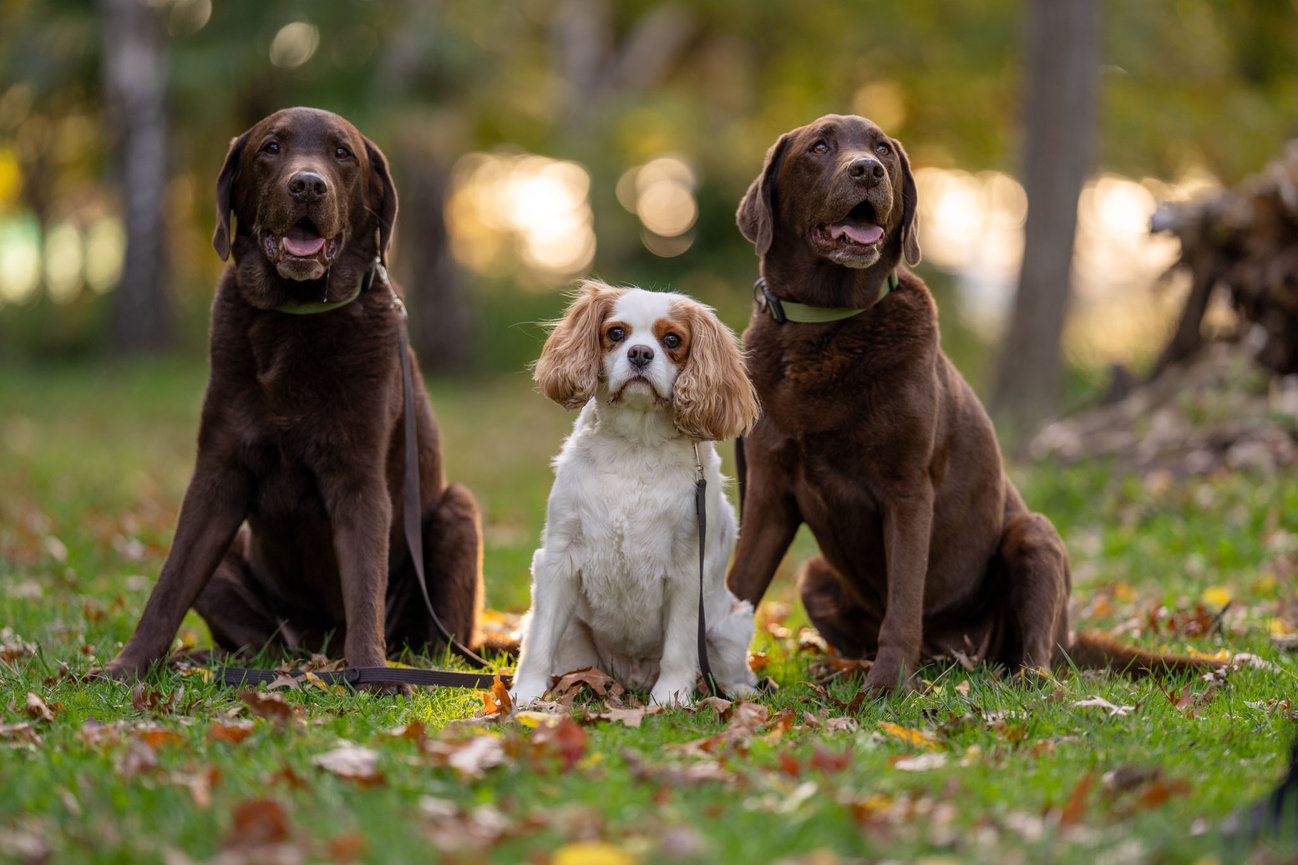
800	313
374	273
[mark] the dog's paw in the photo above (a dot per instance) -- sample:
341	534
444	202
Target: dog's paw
526	692
119	669
888	676
673	694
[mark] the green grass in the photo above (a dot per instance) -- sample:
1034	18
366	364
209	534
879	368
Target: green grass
94	460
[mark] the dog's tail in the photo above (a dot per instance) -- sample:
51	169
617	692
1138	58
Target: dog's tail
1097	651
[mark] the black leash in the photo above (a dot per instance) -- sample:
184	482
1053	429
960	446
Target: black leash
701	510
411	521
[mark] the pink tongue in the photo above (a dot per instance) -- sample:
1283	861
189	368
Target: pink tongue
302	243
856	232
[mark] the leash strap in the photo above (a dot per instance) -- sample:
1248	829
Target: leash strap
413	508
701	510
362	675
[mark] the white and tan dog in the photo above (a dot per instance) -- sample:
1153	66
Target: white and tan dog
615	584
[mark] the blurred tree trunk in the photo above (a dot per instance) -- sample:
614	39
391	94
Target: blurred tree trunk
441	317
134	77
1063	41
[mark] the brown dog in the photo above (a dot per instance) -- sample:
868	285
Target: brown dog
871	436
301	432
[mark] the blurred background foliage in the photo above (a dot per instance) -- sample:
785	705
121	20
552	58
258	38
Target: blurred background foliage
537	141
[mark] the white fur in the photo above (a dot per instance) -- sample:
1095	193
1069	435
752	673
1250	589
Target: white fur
615	583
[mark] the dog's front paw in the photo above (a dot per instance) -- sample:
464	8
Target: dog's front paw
121	669
526	691
888	674
673	693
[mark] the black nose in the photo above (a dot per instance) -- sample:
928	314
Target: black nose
867	169
307	186
640	356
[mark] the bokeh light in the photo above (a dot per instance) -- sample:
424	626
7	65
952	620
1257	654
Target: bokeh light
294	44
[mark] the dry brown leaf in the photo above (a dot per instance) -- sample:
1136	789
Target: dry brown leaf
233	732
567	740
144	699
672	775
631	717
272	706
21	732
157	737
38	710
1075	808
347	847
138	759
199	784
496	701
1160	790
570	685
414	731
470	758
257	823
353	762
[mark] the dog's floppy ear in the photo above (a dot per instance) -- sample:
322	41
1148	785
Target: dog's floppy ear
713	398
569	367
383	196
221	239
909	208
756	215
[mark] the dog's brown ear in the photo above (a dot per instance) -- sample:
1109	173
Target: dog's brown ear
909	208
569	366
756	214
383	196
221	239
713	398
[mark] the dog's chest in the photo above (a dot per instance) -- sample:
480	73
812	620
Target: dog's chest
638	537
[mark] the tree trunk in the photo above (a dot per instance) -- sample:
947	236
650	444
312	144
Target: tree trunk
441	317
134	76
1062	65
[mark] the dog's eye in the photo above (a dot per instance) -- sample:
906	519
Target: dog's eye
342	152
271	147
883	150
671	340
820	147
615	334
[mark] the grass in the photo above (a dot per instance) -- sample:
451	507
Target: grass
94	460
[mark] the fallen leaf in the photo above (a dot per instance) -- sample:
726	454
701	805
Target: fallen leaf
257	823
347	847
233	732
1160	790
144	699
199	784
1105	704
829	762
537	719
566	739
591	853
919	763
37	709
353	762
157	737
1215	596
570	685
909	735
630	717
21	732
1074	808
138	758
473	756
496	701
272	706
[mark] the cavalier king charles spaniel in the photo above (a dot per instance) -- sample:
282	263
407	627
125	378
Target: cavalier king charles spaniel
615	584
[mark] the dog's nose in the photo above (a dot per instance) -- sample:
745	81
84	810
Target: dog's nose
307	186
640	356
867	169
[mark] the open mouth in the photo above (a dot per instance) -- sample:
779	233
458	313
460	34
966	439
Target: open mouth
302	247
856	233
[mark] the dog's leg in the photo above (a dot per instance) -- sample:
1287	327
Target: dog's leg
554	598
215	503
907	524
234	607
360	515
729	637
679	670
771	519
851	628
1037	579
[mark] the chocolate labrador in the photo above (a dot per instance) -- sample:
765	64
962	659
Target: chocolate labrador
290	530
871	437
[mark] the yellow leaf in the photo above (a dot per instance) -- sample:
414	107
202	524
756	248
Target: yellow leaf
1280	628
1123	591
592	853
909	735
1219	655
202	672
1215	596
538	719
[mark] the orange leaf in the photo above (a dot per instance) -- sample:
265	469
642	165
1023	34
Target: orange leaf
497	700
909	735
1075	807
233	732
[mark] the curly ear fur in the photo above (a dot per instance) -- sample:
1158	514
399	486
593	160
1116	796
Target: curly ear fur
568	370
756	214
712	399
383	196
909	209
221	239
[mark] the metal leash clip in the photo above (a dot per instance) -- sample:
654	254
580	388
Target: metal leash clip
768	301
